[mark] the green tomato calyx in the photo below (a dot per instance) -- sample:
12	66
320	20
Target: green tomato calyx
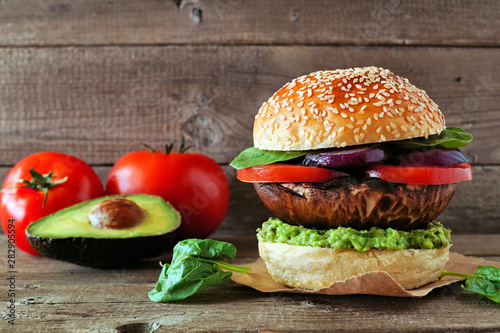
169	147
39	182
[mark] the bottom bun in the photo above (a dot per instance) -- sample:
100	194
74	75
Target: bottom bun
314	268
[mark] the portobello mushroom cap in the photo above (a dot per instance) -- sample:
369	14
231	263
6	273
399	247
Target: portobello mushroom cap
357	203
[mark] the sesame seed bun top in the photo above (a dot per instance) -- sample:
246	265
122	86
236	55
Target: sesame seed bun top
345	107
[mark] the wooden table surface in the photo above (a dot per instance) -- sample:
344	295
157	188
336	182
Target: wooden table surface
91	77
56	296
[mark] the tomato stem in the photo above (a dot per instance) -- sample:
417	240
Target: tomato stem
39	182
151	149
182	147
169	147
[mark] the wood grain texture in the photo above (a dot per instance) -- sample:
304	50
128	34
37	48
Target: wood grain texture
95	102
92	77
95	22
58	296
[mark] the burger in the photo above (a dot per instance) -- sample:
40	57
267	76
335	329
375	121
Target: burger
355	165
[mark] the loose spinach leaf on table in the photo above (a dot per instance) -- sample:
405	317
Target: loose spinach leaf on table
196	265
485	281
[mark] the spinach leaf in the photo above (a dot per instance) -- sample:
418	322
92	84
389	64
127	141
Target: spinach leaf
485	281
253	156
451	137
196	265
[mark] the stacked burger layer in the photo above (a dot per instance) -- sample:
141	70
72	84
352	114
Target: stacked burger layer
355	164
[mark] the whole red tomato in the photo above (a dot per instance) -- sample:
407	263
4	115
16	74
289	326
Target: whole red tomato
52	181
192	182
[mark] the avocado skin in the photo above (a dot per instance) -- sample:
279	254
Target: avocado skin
100	252
103	252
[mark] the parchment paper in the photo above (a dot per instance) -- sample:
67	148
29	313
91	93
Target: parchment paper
375	283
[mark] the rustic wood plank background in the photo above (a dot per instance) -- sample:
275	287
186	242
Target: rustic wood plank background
91	77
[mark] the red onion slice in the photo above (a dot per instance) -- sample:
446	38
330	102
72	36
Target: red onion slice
346	157
434	157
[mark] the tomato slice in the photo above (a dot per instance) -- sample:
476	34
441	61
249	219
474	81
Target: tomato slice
421	175
286	173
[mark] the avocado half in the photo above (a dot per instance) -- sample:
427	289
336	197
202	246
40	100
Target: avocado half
68	235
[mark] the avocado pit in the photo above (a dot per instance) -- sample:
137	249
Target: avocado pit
116	213
126	229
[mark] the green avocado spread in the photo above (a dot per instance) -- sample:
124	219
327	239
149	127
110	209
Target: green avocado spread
435	236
